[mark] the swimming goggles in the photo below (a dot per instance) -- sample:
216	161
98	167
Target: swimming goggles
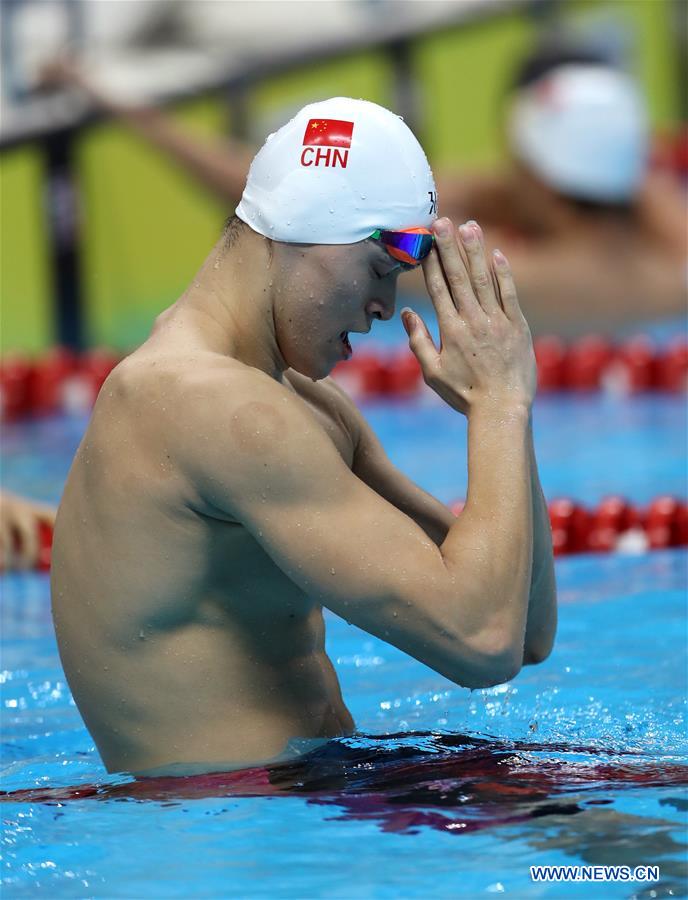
410	246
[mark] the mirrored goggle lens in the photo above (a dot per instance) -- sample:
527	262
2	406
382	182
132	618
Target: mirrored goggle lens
409	247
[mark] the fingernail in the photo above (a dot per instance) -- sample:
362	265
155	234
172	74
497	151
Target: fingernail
468	234
476	226
442	227
500	259
407	320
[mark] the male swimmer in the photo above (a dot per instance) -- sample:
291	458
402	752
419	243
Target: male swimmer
226	490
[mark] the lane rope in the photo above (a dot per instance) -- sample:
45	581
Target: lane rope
615	525
60	381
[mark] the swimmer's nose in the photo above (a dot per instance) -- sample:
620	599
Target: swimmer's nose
381	309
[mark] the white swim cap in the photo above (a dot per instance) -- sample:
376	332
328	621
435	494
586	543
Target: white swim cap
337	172
583	130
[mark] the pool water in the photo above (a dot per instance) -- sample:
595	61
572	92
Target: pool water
442	792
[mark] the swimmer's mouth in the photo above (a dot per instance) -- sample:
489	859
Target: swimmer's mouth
344	338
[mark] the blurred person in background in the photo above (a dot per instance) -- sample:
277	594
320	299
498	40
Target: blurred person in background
576	195
19	530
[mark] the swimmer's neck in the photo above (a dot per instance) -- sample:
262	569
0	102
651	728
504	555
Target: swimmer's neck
229	308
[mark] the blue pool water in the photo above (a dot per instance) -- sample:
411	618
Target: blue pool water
443	792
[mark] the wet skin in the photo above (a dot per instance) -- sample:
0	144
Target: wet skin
226	491
183	642
181	638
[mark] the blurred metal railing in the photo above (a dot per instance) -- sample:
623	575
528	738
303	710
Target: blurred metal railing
55	123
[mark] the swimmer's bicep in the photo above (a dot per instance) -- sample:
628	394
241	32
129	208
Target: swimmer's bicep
272	468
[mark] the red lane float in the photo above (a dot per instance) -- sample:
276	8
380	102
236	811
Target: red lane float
589	364
64	382
60	381
615	525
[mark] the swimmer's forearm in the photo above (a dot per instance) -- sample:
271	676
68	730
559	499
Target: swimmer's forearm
541	624
488	550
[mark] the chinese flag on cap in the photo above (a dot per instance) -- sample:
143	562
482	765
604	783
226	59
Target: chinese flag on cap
328	132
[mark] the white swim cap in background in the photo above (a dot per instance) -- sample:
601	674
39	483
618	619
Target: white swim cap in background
339	170
583	130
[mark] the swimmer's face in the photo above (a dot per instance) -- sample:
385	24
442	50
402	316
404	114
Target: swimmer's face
325	292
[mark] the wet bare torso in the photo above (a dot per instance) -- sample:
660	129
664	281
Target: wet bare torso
185	646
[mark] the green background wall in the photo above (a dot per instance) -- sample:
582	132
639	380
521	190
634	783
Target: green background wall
25	289
146	227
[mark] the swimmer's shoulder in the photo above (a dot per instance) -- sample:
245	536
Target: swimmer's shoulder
331	398
201	391
145	377
186	400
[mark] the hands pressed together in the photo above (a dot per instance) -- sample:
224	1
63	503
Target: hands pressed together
486	354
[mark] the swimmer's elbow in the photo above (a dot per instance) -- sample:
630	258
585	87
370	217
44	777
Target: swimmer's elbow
490	667
535	653
540	641
498	673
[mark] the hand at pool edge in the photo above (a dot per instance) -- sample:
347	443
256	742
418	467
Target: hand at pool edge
19	524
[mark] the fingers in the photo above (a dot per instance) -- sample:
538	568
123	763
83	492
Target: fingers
507	288
438	289
479	267
453	269
19	530
26	547
45	512
420	341
5	546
